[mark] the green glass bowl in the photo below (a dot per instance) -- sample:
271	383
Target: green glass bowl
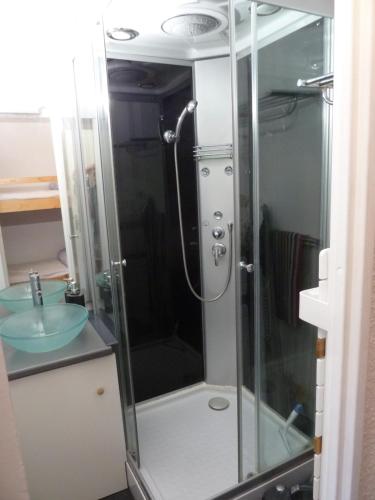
18	297
44	328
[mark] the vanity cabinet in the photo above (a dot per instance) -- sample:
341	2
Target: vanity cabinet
71	433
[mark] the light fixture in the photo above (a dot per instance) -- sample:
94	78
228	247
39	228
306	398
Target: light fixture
264	9
122	34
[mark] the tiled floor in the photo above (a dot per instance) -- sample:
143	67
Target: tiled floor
189	451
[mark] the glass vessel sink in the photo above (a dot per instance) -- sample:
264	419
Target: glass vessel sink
44	328
18	298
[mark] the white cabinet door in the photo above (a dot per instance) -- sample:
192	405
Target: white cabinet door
71	433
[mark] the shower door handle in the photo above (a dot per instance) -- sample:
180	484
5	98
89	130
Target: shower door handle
116	266
119	263
249	268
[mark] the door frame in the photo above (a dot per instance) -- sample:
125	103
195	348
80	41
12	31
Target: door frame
351	249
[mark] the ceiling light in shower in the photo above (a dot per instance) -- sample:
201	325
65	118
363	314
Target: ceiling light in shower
264	9
122	34
193	24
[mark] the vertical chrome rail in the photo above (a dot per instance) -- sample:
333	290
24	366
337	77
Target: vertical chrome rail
256	229
237	239
327	113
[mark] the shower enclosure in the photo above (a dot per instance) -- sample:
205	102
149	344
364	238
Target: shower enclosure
218	395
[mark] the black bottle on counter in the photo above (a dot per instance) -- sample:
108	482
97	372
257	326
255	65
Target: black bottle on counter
68	288
73	295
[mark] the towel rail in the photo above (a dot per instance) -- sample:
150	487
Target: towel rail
323	82
212	152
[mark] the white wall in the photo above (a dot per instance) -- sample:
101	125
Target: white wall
214	126
25	147
26	150
31	239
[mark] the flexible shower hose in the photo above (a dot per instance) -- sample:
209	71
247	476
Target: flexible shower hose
230	231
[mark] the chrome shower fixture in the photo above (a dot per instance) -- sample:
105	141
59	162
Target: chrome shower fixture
191	106
171	136
190	25
266	9
219	249
122	34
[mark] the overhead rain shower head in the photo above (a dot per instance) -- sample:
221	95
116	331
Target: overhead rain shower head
194	24
267	10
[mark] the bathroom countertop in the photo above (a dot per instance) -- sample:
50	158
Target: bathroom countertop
95	340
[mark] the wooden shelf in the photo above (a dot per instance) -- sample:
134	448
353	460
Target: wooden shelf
14	204
11	181
26	205
48	269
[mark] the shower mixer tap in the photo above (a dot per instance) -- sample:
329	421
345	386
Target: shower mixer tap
218	251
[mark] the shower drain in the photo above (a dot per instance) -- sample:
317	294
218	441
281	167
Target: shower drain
218	404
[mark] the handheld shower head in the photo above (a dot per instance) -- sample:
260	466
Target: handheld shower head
171	137
191	106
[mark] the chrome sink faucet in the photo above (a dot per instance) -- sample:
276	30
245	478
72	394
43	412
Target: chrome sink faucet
36	288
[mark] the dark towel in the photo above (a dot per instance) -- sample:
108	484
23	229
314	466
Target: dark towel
287	251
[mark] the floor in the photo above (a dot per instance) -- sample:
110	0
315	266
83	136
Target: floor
120	495
189	451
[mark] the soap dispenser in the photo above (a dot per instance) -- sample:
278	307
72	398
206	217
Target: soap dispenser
73	294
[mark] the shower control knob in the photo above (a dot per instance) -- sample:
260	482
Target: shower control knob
169	136
247	267
218	233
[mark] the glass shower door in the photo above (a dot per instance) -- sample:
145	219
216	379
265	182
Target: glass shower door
107	263
283	162
117	261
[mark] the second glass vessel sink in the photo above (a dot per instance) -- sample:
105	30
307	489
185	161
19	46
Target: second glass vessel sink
44	328
18	297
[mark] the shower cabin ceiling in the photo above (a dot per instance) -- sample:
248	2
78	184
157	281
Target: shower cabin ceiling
155	21
200	28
